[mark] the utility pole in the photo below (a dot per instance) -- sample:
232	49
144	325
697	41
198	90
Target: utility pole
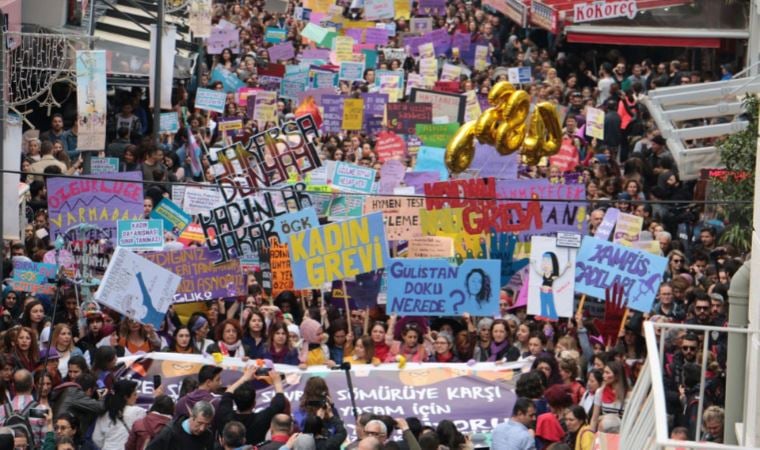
157	72
3	68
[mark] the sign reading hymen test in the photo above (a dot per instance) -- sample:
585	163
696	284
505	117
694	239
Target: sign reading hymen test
338	251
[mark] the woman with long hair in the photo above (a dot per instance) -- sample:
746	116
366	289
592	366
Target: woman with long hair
254	333
363	352
478	286
610	399
26	352
579	435
112	427
182	342
549	271
279	350
316	395
411	346
568	372
593	383
378	333
136	338
62	341
228	340
44	383
34	317
548	365
77	367
338	341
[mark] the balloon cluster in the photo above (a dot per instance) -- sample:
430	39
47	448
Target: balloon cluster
505	125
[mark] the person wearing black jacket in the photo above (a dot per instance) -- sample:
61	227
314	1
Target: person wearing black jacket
188	433
243	395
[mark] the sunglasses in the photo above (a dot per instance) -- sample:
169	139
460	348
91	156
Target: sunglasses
701	308
678	260
688	348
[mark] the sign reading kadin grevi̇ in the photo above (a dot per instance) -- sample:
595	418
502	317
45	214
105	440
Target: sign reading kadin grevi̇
586	12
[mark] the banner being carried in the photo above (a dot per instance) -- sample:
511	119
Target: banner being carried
91	99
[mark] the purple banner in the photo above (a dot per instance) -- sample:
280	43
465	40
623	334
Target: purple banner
355	33
362	293
376	36
461	41
556	216
315	53
332	119
419	179
441	40
88	200
374	109
281	52
202	279
432	7
490	163
473	397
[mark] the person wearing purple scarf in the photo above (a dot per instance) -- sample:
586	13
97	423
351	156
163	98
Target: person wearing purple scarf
500	348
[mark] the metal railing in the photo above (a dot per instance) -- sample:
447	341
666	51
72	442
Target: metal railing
645	422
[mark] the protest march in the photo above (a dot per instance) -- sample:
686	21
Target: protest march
362	224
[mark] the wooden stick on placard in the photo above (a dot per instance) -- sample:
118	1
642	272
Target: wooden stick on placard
366	320
581	303
622	323
345	299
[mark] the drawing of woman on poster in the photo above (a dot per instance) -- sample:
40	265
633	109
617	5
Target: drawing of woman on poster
549	271
478	286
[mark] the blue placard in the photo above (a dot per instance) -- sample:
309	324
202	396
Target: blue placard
34	272
140	235
169	122
173	217
600	264
431	159
524	75
295	222
435	287
275	35
338	251
353	178
210	100
229	80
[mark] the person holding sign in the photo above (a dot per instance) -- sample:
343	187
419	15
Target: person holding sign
411	347
549	271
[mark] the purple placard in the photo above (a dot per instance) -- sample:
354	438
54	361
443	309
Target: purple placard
556	216
419	179
374	109
97	201
491	164
332	119
282	52
355	33
316	53
391	174
432	7
461	41
441	40
202	279
376	36
362	293
413	44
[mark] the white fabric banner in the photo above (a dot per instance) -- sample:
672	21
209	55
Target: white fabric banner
91	99
168	50
11	161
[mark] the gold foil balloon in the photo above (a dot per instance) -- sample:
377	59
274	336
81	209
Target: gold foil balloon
505	125
461	148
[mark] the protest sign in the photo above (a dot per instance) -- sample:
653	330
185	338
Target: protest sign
281	52
332	118
282	276
347	177
432	159
353	114
360	292
421	25
229	80
264	107
75	201
32	288
431	247
323	79
351	71
91	92
447	105
466	394
374	110
600	264
137	288
140	235
418	180
378	9
200	17
434	287
314	33
104	165
169	122
276	156
434	135
400	214
193	234
295	222
224	35
489	163
210	100
551	285
376	36
451	72
519	75
344	207
595	123
391	176
390	82
389	146
34	277
338	251
200	200
627	229
275	35
202	280
296	80
175	218
604	230
404	117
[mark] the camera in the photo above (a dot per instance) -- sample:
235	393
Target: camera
317	403
262	371
38	413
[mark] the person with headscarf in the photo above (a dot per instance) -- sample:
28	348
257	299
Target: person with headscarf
314	352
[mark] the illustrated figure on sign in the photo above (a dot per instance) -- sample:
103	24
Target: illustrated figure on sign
478	286
549	271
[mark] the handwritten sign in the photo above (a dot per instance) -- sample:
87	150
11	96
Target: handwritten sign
169	122
595	123
600	264
351	71
400	214
347	177
199	200
389	146
431	247
282	275
435	135
104	165
140	235
137	288
551	284
338	251
202	280
210	100
404	117
425	287
627	229
353	113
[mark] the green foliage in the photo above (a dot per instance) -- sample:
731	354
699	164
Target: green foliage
737	153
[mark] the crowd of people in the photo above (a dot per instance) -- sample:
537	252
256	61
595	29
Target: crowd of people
58	354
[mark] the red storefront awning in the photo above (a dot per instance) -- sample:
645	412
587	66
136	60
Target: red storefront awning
658	41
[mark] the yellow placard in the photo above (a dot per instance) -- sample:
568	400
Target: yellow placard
344	48
353	113
403	9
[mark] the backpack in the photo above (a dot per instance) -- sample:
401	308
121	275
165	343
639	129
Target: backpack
19	420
